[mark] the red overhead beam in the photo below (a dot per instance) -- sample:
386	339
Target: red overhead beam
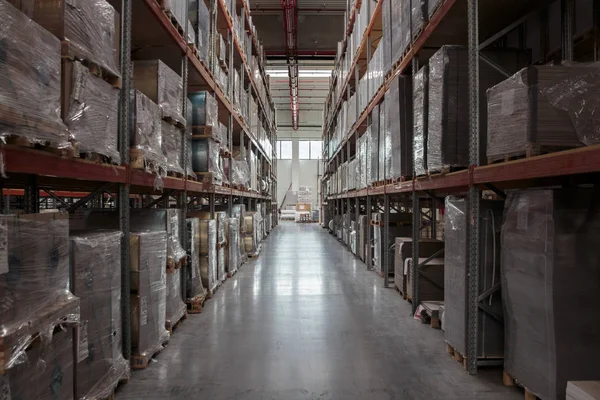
290	27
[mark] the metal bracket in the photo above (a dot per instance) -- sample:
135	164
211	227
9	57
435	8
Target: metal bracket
162	197
55	197
494	189
89	197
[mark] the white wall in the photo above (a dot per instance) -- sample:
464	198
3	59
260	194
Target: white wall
297	173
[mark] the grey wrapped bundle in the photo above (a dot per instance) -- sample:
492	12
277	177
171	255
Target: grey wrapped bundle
146	133
162	85
490	331
96	280
420	109
374	154
542	109
205	111
550	274
206	158
175	307
172	138
200	19
30	81
208	254
195	287
148	255
233	245
399	122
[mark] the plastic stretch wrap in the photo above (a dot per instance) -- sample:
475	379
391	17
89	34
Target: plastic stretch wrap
221	267
34	282
95	258
162	85
172	138
200	18
239	211
92	115
366	161
420	107
46	374
189	170
30	82
205	111
240	173
177	8
195	287
234	244
374	153
146	131
176	307
206	157
385	145
208	254
221	218
175	252
399	124
560	114
148	257
549	276
490	331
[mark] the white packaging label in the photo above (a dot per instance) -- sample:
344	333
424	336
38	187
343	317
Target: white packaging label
3	247
83	351
143	311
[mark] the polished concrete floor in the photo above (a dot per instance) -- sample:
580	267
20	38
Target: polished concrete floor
307	321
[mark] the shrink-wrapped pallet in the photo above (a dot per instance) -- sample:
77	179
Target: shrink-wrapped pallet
148	256
30	82
550	273
543	109
95	258
89	29
208	254
490	329
175	306
233	247
374	154
195	287
205	112
146	134
399	124
172	142
421	112
163	86
189	170
200	19
206	160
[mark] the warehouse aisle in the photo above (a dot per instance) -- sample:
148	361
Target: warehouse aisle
307	321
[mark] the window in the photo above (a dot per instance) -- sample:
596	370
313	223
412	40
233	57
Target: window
304	150
316	149
284	149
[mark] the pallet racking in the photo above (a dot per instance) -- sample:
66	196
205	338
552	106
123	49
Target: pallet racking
477	25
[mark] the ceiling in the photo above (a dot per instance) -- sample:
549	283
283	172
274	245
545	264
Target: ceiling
320	28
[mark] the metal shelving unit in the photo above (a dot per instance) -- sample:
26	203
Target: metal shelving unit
477	25
147	33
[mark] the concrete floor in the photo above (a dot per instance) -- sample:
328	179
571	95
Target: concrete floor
307	321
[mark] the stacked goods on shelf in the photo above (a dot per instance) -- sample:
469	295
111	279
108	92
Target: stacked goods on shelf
239	211
234	258
175	305
448	107
146	135
30	86
189	170
399	126
195	289
172	142
163	86
95	258
176	9
148	257
39	310
542	109
490	327
549	277
420	120
200	22
353	238
207	243
404	253
385	146
222	236
363	225
90	111
207	137
400	226
373	156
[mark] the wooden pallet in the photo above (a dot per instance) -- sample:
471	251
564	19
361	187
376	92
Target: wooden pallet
195	305
530	150
92	157
383	183
460	358
430	314
137	160
438	173
508	380
174	174
391	223
173	324
139	361
204	132
172	18
172	266
45	146
173	121
71	53
207	178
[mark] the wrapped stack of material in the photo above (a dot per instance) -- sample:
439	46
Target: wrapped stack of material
146	134
163	86
249	239
399	125
353	238
240	173
90	28
239	211
172	138
403	252
195	287
374	154
148	256
189	170
34	289
550	273
175	307
363	226
490	327
206	160
420	120
205	113
177	9
96	280
90	110
200	19
560	114
207	241
234	259
448	116
385	146
589	390
30	85
222	236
